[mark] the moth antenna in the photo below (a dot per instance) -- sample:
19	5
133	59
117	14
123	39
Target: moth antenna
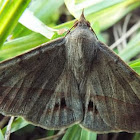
75	24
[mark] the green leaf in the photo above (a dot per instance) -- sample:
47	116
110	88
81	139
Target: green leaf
16	125
9	15
135	65
50	133
1	135
16	46
73	133
132	49
105	12
88	135
33	23
44	10
77	133
136	136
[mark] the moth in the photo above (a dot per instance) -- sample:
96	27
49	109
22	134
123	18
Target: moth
75	79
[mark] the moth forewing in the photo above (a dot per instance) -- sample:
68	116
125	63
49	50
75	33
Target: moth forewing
29	84
114	94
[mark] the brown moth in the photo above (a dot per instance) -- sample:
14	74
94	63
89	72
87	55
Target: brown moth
73	79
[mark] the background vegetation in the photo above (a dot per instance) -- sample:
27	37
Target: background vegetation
116	23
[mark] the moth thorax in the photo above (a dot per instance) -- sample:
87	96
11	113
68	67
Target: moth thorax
79	60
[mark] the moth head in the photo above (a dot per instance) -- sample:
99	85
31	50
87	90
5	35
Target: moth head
82	21
84	24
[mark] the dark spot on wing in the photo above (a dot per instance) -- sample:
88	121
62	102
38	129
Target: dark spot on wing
90	106
63	103
56	106
96	110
